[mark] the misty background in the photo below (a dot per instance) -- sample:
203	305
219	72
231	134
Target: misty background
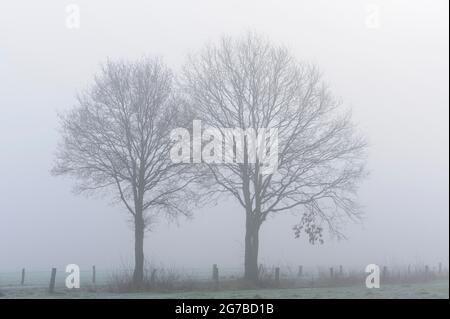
393	74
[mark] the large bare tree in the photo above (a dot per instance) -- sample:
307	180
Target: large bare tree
247	83
117	140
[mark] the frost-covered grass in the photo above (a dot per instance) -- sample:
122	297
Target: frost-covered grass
432	289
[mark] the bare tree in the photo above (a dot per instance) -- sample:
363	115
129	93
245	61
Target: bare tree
117	140
250	83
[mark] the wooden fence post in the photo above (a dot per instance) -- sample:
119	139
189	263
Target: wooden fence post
300	270
22	281
385	273
215	275
277	275
93	275
51	288
260	270
153	276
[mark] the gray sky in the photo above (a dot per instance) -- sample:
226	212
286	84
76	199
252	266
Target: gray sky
394	76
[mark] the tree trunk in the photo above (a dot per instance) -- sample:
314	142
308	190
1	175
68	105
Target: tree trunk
251	249
138	274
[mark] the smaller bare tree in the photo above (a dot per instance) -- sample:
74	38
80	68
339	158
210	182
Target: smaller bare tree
117	140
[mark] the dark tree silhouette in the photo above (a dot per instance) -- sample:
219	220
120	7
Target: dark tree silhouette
117	139
250	83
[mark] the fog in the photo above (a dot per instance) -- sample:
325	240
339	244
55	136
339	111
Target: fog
394	75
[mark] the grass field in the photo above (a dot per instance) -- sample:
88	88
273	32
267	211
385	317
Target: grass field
435	289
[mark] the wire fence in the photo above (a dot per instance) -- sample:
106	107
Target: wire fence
303	275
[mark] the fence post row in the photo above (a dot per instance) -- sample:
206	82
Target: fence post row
215	273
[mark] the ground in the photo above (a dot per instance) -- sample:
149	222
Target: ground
434	289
